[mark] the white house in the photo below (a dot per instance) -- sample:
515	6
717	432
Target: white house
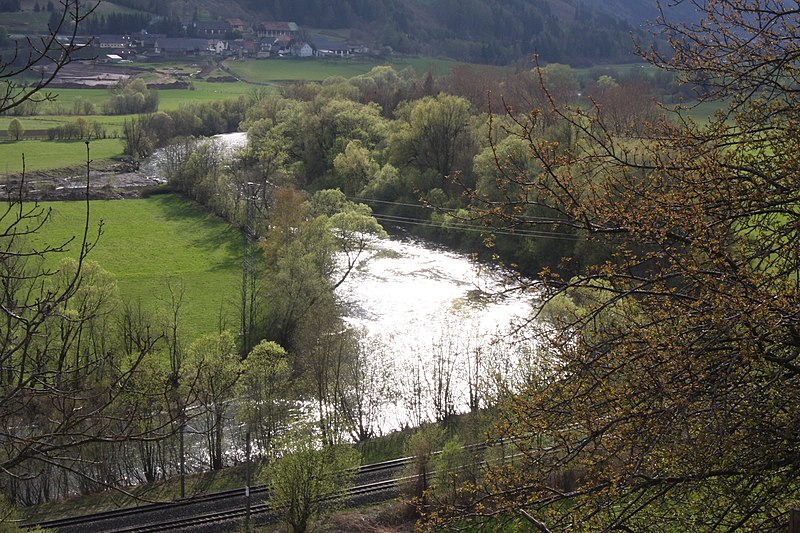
303	50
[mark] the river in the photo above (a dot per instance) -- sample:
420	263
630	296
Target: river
439	330
436	326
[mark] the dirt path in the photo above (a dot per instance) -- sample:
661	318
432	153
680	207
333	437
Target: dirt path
107	180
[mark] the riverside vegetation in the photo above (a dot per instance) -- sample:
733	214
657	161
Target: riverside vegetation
663	396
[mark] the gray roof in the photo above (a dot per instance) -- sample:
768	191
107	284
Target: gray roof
333	46
212	25
181	43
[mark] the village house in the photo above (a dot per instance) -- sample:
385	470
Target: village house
117	42
180	46
327	48
302	49
277	29
281	45
211	28
265	48
236	25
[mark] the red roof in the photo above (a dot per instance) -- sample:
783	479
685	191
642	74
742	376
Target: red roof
276	26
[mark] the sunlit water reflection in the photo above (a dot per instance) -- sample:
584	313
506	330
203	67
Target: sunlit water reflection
435	322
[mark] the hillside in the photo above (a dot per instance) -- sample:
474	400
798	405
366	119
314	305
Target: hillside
494	31
579	32
639	14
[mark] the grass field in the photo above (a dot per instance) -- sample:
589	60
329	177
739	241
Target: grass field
204	91
280	70
167	98
149	241
41	155
701	112
36	125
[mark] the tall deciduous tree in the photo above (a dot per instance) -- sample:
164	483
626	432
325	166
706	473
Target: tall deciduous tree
667	396
15	130
435	133
301	252
213	366
264	390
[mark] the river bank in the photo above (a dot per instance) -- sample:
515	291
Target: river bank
108	180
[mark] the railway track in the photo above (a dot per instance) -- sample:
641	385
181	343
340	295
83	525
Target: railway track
156	516
261	511
374	482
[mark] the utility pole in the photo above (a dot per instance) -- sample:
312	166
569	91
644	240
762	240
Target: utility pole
248	302
181	451
248	273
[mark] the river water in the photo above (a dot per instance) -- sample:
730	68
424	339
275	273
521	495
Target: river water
440	332
436	326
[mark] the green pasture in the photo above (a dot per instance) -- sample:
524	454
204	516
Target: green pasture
282	70
106	8
40	123
35	122
148	243
203	91
622	69
61	108
102	8
40	155
168	99
438	67
65	99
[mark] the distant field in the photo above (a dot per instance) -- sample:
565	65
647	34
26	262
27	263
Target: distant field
41	155
65	98
38	125
147	242
621	68
277	70
25	21
701	112
59	111
204	91
168	98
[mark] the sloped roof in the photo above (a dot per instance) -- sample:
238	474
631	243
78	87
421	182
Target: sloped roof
212	25
274	25
333	46
181	43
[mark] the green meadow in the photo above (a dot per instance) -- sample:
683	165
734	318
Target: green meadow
150	243
282	70
41	155
203	91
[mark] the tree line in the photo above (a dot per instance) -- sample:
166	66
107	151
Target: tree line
407	145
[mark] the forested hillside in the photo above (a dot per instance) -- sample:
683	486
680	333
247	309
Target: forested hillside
495	31
502	32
